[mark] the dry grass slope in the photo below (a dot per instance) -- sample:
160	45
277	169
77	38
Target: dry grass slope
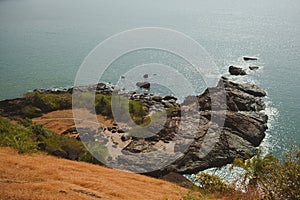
40	176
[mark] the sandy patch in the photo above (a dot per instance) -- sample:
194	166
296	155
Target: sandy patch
61	120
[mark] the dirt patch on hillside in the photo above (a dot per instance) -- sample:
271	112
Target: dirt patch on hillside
61	120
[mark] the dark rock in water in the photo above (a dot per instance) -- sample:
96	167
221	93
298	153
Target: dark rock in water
146	75
145	85
246	58
253	67
167	98
236	71
246	87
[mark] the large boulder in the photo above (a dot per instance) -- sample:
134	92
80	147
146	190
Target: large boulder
236	71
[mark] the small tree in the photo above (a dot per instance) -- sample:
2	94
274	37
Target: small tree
273	179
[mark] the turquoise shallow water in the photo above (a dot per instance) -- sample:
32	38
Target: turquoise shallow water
43	42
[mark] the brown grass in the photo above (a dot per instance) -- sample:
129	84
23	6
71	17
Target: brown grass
60	120
39	176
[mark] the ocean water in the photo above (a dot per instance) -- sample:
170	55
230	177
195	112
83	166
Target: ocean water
43	43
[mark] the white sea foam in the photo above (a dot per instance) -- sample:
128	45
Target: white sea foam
270	141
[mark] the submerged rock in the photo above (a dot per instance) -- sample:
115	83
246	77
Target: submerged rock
146	75
145	85
253	67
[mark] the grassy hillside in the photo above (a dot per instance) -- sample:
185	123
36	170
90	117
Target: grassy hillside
28	137
38	177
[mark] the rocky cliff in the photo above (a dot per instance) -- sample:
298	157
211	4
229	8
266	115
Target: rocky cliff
226	129
243	129
226	122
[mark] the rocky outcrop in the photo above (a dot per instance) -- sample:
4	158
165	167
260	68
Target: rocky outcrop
243	129
246	58
240	132
236	71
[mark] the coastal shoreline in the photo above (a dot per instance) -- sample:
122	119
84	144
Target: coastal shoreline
244	105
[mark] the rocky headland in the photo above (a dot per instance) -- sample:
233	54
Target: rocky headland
241	131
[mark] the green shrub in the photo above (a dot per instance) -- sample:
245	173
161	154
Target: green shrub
96	151
100	103
26	122
273	178
137	112
282	179
211	184
48	101
27	137
122	107
16	136
255	167
103	105
31	111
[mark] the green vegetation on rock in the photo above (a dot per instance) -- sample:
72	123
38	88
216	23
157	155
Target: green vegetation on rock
28	137
17	137
47	101
103	105
31	111
271	177
211	184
